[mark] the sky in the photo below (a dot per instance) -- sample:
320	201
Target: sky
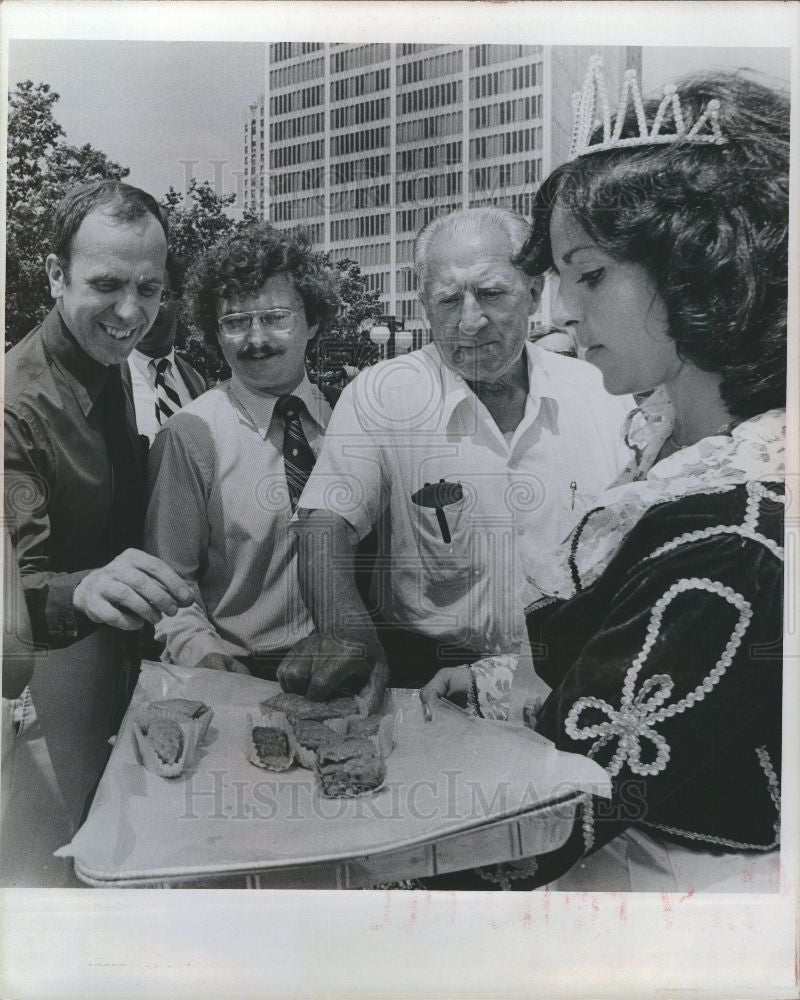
168	110
151	106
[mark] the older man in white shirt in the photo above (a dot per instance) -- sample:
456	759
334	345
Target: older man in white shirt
476	455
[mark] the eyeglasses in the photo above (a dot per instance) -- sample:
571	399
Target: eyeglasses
237	325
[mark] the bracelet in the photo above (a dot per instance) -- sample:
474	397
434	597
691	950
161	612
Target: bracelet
473	705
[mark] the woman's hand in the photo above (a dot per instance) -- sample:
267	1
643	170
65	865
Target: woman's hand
452	683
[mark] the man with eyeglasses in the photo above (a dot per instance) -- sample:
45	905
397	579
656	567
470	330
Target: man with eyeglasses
74	478
226	471
161	381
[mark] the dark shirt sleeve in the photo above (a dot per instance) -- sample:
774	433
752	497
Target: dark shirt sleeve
668	694
48	592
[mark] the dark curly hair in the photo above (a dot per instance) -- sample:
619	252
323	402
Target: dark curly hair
709	223
240	264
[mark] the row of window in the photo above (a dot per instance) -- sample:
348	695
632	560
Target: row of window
367	256
362	55
430	97
289	156
311	179
297	100
292	128
358	114
430	128
297	210
411	50
411	220
521	110
357	86
352	199
360	227
300	72
504	175
486	146
376	282
360	140
433	186
485	55
406	280
426	157
367	166
289	50
505	81
431	68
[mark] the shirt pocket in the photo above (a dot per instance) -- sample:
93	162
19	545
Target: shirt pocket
448	568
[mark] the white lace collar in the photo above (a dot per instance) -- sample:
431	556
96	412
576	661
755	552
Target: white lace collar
754	450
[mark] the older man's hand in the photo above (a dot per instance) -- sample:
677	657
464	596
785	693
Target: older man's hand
319	666
132	589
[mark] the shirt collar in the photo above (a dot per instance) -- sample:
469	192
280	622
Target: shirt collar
541	390
260	407
145	361
86	377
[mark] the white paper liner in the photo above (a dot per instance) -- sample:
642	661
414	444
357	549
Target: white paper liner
146	751
383	739
274	720
202	721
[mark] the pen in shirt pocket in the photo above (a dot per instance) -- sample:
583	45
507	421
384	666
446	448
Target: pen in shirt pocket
573	489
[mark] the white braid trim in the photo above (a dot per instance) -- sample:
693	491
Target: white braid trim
756	492
587	822
640	712
721	529
774	793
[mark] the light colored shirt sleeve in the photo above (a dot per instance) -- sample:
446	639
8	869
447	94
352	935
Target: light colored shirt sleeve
349	476
176	530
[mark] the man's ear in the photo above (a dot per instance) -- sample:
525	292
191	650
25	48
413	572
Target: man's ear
537	287
56	275
312	332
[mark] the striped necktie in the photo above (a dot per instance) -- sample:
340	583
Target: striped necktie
167	398
298	458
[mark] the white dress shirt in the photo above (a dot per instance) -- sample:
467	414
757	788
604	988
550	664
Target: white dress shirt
219	513
143	383
411	421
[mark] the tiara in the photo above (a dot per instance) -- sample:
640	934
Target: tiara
591	110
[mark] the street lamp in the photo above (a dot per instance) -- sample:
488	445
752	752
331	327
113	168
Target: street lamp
403	341
380	335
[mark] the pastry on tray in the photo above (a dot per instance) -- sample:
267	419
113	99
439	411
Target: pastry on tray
297	706
166	746
183	708
270	741
312	735
350	767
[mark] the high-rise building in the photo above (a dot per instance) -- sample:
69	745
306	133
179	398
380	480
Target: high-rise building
363	144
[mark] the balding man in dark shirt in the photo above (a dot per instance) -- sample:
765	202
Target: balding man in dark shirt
74	483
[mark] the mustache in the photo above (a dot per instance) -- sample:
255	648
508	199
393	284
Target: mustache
259	352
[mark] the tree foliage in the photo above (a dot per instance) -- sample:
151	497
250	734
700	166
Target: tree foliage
347	341
41	169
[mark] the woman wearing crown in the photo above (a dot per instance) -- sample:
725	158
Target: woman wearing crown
659	629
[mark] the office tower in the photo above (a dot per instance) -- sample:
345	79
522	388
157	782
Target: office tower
363	144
